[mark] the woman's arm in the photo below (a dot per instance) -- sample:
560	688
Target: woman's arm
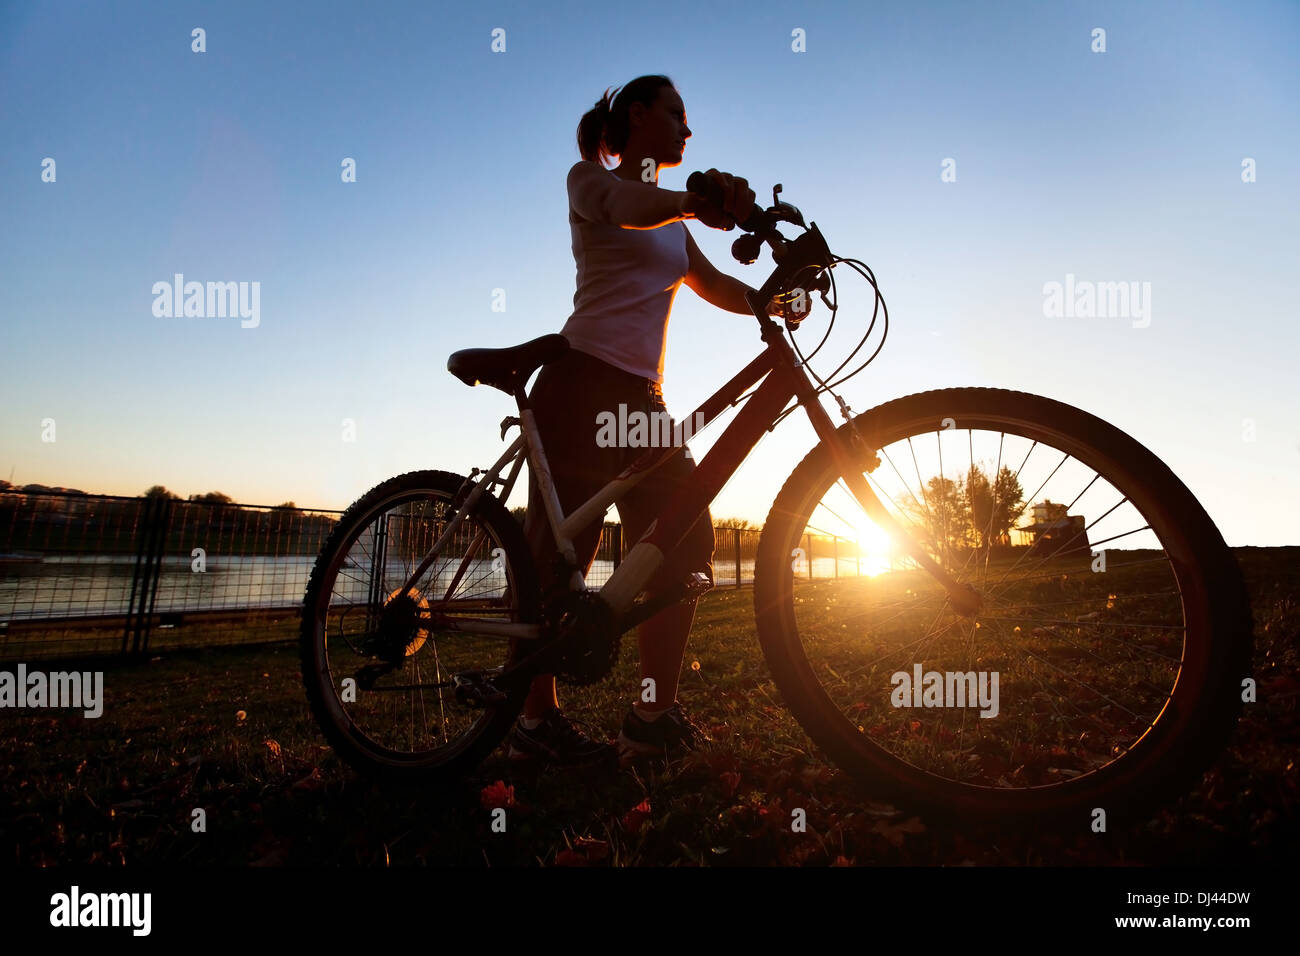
714	287
729	293
600	197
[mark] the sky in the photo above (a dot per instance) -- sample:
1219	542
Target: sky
970	153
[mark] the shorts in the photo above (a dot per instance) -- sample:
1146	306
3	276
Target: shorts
566	399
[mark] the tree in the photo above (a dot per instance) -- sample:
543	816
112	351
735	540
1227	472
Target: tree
519	513
740	524
213	497
938	514
972	512
160	491
285	515
991	509
216	500
1009	499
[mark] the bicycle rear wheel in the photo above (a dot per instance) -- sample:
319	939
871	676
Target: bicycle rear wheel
377	663
1103	669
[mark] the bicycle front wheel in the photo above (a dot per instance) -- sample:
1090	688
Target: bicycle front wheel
378	659
1103	667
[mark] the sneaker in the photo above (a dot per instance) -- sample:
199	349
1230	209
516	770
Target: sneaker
557	741
670	735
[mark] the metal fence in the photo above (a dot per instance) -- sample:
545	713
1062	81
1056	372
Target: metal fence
86	575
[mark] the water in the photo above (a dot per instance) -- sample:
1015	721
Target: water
96	585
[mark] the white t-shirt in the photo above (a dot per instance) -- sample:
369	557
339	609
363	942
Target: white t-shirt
626	281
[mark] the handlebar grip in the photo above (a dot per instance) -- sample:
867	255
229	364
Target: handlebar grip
702	184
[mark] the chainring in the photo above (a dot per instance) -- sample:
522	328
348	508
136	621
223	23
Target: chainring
592	642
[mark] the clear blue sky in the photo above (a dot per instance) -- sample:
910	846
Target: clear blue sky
1115	166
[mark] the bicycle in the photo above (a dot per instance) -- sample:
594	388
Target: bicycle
1112	673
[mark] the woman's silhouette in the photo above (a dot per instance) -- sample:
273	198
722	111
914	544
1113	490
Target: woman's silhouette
632	252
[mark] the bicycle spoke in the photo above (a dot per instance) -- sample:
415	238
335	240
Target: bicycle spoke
407	710
1075	650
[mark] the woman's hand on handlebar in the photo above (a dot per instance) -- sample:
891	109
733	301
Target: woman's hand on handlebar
737	203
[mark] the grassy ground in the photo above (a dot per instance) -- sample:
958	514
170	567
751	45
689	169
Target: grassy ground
228	730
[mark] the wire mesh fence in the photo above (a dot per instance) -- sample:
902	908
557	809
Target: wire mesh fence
88	575
101	574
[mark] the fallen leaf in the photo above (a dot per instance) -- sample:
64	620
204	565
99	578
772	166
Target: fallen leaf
894	832
635	818
497	795
730	781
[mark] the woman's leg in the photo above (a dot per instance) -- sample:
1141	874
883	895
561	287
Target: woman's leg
663	638
662	641
541	695
565	400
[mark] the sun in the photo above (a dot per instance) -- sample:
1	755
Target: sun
876	550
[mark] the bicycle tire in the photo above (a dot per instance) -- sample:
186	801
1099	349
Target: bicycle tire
356	748
1205	703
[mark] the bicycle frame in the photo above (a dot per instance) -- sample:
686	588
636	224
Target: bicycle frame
783	379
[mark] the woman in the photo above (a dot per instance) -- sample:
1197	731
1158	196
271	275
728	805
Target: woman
632	252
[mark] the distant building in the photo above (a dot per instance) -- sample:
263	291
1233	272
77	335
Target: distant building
1053	531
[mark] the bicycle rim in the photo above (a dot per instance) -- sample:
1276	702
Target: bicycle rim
379	661
1092	652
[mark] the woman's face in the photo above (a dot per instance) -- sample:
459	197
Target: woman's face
662	132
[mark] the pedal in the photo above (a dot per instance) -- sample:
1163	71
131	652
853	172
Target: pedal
686	592
696	584
475	688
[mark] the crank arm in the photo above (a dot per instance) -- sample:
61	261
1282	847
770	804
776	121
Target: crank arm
367	675
521	673
642	611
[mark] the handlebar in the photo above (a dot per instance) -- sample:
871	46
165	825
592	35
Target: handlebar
707	187
792	256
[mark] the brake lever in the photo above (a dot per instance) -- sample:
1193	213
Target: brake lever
784	211
787	213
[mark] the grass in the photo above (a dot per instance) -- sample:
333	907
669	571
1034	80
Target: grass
227	730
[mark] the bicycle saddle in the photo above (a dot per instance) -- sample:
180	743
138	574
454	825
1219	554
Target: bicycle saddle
506	369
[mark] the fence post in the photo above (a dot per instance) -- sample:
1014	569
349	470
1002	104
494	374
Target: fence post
164	526
616	543
376	596
150	546
835	554
736	532
809	552
138	574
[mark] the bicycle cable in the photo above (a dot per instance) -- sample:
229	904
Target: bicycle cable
823	385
